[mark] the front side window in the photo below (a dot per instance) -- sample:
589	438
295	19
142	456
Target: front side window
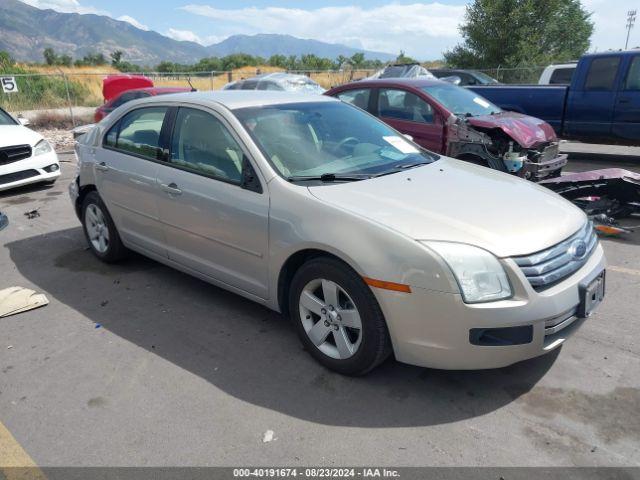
461	101
403	105
633	77
602	73
359	97
202	144
314	139
138	132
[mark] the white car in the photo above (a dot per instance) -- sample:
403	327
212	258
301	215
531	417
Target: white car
560	74
25	156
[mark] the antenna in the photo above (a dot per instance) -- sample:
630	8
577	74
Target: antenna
193	89
631	20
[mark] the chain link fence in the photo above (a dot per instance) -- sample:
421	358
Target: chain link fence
74	95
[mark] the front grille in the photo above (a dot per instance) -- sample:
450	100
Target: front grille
14	153
550	266
544	153
17	176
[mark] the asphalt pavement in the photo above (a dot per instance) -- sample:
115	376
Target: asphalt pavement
140	365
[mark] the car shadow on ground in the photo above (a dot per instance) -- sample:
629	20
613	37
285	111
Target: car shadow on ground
250	352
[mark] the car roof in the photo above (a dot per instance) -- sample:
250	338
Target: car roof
159	89
401	82
624	53
234	99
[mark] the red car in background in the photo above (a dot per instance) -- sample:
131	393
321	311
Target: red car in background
104	110
120	89
459	123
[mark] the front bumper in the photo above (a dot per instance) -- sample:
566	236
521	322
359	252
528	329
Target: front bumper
544	169
28	171
432	329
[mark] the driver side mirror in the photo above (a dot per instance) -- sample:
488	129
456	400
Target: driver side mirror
408	137
249	180
23	121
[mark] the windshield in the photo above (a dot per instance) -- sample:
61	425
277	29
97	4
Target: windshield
303	85
6	119
329	138
461	101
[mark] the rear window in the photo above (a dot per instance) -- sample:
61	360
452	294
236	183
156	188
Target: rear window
602	73
562	76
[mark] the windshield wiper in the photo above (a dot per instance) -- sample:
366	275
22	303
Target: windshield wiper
402	167
328	177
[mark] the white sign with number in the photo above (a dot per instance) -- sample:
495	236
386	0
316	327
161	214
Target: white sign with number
9	84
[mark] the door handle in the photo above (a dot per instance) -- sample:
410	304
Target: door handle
102	167
171	189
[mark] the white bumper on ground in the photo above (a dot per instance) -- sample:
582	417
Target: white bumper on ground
433	329
35	169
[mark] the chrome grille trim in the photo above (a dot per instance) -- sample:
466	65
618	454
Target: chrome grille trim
552	265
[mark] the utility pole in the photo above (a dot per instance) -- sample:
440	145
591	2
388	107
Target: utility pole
631	20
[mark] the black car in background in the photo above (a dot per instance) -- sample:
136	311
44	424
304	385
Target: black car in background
467	77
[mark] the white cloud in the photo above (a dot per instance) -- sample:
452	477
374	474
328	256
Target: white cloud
421	29
133	21
66	6
189	36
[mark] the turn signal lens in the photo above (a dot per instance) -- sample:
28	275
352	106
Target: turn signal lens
396	287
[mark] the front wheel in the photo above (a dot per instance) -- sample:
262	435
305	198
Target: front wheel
338	318
100	231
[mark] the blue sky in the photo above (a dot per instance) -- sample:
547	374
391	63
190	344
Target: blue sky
422	29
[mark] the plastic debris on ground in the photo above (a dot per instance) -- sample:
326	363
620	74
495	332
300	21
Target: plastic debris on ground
31	214
15	300
268	436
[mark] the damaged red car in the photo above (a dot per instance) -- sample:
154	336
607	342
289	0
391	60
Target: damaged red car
457	122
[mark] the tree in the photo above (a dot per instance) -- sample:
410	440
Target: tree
50	56
6	61
511	33
357	60
404	59
116	57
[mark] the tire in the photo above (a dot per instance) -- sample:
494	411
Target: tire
100	231
338	342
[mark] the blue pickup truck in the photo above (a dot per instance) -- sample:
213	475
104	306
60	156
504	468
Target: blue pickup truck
602	104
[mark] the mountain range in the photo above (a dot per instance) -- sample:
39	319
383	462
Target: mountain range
25	31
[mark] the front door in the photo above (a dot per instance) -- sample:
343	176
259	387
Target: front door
126	168
411	115
212	224
626	117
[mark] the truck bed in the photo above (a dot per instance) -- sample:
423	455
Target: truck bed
546	102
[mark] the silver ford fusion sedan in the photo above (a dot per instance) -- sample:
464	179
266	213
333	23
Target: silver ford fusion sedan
316	209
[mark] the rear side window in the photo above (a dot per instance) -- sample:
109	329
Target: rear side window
359	98
602	73
403	105
138	132
202	144
633	77
562	76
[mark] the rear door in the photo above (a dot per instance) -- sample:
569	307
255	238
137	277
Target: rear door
412	115
214	222
591	103
626	117
126	168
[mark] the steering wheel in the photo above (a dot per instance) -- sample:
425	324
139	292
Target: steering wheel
346	141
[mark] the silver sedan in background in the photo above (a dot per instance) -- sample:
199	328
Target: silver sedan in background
369	243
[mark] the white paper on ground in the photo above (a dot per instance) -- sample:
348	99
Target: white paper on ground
15	300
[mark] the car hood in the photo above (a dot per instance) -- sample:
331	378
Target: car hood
451	200
527	131
18	135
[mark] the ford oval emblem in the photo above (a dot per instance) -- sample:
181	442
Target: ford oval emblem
578	249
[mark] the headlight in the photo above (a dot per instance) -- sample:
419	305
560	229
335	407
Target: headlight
480	276
41	148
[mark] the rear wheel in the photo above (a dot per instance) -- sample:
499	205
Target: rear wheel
338	318
100	231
